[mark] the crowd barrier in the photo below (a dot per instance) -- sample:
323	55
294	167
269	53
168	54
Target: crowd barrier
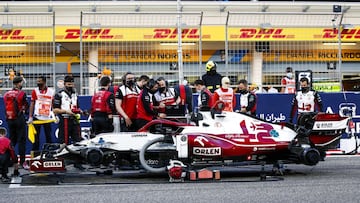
270	107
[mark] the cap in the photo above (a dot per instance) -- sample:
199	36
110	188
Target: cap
210	65
17	79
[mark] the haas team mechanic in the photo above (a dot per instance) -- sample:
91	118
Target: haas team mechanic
66	106
305	100
103	108
15	107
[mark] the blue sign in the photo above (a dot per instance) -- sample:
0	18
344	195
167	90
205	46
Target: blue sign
270	107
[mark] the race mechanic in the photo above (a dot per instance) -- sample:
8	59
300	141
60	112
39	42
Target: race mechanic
41	111
247	98
7	156
66	107
125	101
165	95
305	100
205	96
288	82
15	107
103	108
145	105
226	94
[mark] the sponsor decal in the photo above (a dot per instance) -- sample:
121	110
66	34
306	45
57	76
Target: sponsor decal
324	125
90	34
171	33
52	164
210	151
139	135
331	33
15	34
200	139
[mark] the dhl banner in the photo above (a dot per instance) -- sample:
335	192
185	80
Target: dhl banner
191	56
26	35
208	33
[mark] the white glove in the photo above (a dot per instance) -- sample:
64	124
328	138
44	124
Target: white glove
30	120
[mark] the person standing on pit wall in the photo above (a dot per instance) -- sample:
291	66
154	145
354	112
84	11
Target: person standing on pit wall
66	107
145	107
7	157
305	100
41	111
205	96
226	94
211	78
125	102
16	105
247	98
103	108
288	82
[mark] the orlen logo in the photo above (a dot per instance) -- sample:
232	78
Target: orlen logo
90	34
253	33
345	33
168	33
13	35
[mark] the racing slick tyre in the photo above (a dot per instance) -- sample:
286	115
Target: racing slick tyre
163	156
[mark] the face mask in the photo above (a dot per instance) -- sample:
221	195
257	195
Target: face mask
242	91
20	87
161	89
289	75
198	91
152	91
69	89
130	83
40	86
304	89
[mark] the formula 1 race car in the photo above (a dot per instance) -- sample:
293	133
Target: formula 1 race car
210	138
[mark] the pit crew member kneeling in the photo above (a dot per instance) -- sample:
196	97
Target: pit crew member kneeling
7	156
145	105
102	108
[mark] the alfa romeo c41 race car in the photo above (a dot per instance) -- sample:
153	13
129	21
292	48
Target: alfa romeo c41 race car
211	138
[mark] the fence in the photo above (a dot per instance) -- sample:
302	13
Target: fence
148	44
260	46
27	48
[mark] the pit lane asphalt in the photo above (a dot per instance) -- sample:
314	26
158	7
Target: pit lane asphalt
335	180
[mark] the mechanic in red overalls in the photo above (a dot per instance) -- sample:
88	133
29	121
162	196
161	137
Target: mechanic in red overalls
145	105
66	106
226	94
15	107
7	156
125	100
305	100
103	108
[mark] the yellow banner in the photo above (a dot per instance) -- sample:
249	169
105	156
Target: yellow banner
20	35
301	56
292	34
208	33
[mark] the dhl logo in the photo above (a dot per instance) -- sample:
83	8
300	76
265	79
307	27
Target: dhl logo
89	34
253	33
168	33
345	34
13	35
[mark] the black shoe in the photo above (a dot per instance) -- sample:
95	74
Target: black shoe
79	166
5	179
